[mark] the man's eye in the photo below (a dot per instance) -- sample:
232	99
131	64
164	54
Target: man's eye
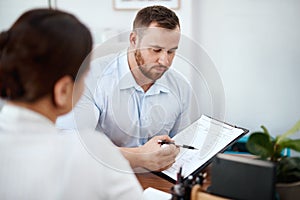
157	50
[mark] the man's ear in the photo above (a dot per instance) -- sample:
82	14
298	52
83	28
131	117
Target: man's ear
133	39
63	91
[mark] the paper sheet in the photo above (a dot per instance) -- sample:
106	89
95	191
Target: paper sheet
152	193
209	136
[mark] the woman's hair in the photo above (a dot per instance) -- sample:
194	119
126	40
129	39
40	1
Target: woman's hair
41	47
164	17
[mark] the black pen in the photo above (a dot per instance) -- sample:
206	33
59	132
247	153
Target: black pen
177	145
179	176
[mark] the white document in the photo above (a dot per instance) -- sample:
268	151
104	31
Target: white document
152	193
209	136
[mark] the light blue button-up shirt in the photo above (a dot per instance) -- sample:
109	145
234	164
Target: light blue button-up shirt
116	105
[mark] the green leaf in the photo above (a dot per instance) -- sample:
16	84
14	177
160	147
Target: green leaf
292	144
279	147
288	170
293	130
259	143
265	130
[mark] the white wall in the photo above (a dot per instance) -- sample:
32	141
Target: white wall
254	44
100	16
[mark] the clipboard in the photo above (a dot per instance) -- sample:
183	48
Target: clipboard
210	136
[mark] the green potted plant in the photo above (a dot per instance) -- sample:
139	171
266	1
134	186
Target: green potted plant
266	147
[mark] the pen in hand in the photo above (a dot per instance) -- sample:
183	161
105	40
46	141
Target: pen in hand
177	145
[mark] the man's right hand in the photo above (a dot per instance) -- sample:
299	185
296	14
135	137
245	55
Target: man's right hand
152	155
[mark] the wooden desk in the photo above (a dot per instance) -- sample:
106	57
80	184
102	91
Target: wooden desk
149	179
198	194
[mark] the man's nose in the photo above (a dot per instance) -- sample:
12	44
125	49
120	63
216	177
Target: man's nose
164	58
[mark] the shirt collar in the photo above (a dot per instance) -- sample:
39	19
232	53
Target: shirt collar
162	84
125	76
17	114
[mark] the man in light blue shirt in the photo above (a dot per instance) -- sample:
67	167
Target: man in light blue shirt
134	97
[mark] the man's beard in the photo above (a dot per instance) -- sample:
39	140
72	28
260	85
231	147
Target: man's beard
147	72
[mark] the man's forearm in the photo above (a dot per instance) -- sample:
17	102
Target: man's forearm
133	155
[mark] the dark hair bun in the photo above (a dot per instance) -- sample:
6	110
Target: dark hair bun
10	85
4	36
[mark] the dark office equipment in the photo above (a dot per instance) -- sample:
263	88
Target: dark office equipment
238	177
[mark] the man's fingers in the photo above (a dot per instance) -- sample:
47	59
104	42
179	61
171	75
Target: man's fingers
169	149
163	137
166	167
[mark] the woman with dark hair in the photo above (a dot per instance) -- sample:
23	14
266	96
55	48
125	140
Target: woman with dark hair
43	61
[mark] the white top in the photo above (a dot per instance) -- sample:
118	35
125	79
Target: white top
38	162
115	104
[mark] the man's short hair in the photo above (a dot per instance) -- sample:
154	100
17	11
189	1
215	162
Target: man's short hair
164	17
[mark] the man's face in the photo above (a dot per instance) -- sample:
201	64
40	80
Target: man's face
156	50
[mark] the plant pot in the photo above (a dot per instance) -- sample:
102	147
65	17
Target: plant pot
288	191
